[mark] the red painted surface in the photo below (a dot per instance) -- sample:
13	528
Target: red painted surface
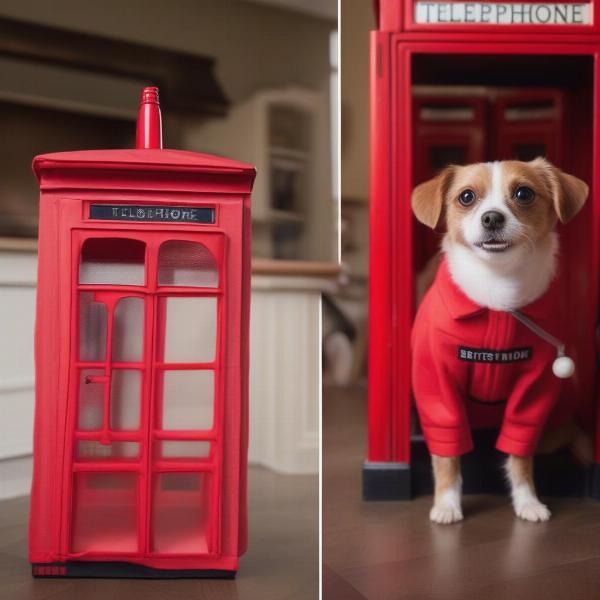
395	240
74	516
149	123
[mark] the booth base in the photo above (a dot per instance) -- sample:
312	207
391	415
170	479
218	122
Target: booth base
595	482
556	474
123	570
386	481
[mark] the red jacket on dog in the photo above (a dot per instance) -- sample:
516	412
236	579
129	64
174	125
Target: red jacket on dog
477	367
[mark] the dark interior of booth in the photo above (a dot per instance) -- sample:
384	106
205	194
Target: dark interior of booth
478	108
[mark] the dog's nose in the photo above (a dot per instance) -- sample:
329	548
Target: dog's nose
492	219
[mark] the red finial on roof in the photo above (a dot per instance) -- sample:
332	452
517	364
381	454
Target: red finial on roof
149	125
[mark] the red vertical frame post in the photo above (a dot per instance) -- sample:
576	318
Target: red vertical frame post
386	470
595	194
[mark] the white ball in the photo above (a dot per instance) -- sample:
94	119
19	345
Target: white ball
563	367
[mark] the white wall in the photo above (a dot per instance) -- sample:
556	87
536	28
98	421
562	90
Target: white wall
17	315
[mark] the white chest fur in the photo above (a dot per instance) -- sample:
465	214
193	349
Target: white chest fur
516	280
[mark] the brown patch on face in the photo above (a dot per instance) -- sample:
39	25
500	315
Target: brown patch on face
568	192
427	199
538	216
477	178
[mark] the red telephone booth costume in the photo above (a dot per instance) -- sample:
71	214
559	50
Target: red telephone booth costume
543	60
478	367
141	361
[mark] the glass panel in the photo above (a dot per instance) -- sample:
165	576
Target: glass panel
91	400
128	330
188	399
190	329
180	514
183	449
105	512
93	319
125	393
186	263
93	450
116	261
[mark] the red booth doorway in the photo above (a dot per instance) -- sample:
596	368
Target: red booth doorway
399	247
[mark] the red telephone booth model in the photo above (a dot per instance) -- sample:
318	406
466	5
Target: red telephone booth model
461	82
141	418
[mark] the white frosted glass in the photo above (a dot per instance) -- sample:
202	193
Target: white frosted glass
125	392
190	329
117	261
128	330
93	320
91	400
188	400
187	264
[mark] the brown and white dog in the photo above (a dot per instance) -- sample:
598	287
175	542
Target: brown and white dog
501	247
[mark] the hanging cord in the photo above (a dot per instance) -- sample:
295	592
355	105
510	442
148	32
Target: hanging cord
560	346
563	366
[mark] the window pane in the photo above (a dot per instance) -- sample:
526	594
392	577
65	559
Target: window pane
94	450
190	328
105	512
91	400
128	330
188	399
183	449
92	328
186	263
180	515
117	261
125	392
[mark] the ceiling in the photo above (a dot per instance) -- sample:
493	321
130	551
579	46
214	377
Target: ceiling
325	9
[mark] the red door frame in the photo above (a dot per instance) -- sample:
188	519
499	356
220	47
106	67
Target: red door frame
146	468
390	262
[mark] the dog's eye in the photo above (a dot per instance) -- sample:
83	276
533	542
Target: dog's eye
524	195
467	197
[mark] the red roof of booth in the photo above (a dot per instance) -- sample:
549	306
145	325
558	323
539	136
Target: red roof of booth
170	160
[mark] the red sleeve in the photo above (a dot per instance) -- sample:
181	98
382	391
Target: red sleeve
535	394
439	398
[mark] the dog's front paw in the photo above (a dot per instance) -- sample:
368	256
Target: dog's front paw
445	513
532	510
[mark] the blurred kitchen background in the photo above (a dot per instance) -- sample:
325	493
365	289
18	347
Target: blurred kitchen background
255	80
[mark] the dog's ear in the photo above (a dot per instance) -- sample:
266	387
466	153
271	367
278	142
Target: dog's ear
568	192
427	199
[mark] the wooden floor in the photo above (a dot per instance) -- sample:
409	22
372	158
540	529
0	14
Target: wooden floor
382	550
282	558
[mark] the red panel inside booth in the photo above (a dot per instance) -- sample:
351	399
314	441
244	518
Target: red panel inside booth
470	108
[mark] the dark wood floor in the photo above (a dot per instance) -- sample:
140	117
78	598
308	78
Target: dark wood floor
382	550
281	563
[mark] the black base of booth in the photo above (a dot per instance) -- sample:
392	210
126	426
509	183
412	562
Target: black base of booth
594	487
556	474
386	481
123	570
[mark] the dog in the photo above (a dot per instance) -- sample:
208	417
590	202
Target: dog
473	361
